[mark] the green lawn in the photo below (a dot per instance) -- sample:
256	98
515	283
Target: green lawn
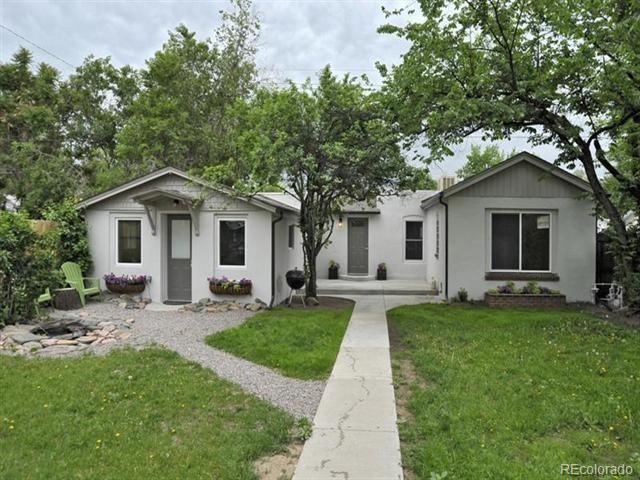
513	394
299	343
130	415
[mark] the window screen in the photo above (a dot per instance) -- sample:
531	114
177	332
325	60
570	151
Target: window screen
535	241
505	238
129	241
232	242
520	241
413	241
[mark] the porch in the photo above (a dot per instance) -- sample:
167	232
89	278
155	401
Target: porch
375	287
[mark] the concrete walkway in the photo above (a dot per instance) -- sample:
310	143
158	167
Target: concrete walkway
355	436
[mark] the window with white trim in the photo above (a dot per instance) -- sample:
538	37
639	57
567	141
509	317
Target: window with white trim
129	243
292	233
413	240
232	243
521	241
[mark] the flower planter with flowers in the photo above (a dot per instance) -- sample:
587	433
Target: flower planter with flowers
381	272
129	284
225	286
531	295
333	270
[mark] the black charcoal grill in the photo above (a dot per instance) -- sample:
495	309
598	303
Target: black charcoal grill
295	280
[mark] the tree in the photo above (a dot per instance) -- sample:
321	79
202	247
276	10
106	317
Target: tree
95	104
325	146
184	115
564	73
479	159
34	168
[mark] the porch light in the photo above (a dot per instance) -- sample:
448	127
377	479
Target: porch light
340	221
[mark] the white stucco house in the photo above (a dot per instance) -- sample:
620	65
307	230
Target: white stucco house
524	219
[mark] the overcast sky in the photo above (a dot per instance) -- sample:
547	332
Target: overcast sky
298	38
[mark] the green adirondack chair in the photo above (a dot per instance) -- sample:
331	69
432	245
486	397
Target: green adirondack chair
85	286
44	298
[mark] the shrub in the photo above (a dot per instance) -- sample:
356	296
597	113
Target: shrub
463	295
531	288
26	267
508	288
70	235
633	291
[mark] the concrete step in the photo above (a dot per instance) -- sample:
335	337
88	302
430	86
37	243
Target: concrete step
375	291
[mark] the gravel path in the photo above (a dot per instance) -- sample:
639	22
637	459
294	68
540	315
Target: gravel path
184	333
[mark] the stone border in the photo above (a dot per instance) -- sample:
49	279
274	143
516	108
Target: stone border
525	300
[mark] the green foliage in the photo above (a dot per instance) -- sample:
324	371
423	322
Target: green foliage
462	295
326	146
70	235
146	414
514	392
103	125
562	73
185	115
479	159
33	164
26	266
298	343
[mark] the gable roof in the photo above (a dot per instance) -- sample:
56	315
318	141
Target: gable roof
502	166
257	199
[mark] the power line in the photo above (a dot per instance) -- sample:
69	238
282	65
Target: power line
37	46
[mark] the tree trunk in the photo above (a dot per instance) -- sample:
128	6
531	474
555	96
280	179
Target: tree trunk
311	287
623	258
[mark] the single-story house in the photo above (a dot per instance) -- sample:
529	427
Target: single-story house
524	219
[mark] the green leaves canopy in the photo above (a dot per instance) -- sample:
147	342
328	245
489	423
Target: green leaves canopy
326	146
566	73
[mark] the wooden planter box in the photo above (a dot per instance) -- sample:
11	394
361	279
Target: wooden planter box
333	274
130	289
381	275
525	300
220	290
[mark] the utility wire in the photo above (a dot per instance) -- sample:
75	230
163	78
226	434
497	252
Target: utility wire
37	46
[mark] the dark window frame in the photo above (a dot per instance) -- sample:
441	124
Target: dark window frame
119	260
244	243
520	214
408	240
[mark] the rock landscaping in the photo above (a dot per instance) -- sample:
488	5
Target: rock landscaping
130	302
100	327
215	306
63	334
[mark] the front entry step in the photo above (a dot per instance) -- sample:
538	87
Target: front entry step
357	278
376	292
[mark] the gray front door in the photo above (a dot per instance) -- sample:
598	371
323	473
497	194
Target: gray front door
179	258
358	262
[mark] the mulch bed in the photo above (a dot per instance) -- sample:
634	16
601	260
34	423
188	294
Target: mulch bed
331	303
624	319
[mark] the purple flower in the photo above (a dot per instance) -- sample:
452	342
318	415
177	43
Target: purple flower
113	279
225	282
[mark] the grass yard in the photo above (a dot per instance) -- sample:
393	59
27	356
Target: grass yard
513	394
299	343
130	415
